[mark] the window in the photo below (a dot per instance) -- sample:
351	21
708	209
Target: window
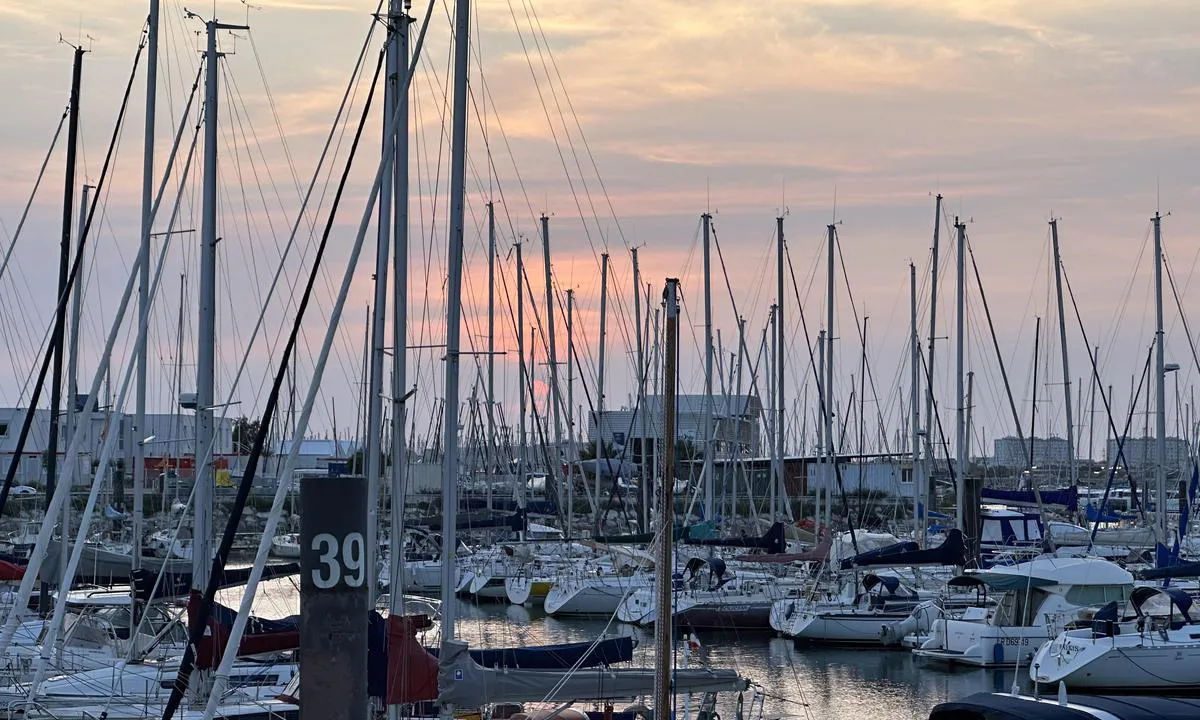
1096	594
906	476
4	429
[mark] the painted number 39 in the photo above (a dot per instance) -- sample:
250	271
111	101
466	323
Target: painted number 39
339	561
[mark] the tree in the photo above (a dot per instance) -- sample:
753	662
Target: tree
244	432
587	451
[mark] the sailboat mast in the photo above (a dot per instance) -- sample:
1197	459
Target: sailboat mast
139	421
773	393
706	448
931	424
777	485
914	412
569	513
1160	393
823	398
600	380
666	510
73	334
552	351
640	413
458	161
491	358
831	449
1072	465
960	361
60	315
206	336
399	312
521	438
372	444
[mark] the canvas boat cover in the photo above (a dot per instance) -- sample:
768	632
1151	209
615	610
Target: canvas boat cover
464	683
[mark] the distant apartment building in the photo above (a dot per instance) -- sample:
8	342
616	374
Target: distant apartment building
1141	454
1013	453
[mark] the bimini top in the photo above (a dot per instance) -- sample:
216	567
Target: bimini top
997	706
1045	571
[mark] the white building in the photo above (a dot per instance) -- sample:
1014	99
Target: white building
735	422
1011	452
317	453
1141	454
890	476
169	440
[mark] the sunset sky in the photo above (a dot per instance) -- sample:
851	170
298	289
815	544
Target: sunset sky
624	122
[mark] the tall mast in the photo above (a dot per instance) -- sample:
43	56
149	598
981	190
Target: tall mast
399	313
600	380
666	510
831	448
826	423
139	422
1072	465
1160	393
69	414
521	438
569	515
458	160
914	413
491	360
555	401
73	333
640	414
777	487
372	446
206	331
657	466
960	362
773	392
206	337
60	317
931	424
709	480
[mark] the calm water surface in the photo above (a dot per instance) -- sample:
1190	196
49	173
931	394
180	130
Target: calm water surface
818	683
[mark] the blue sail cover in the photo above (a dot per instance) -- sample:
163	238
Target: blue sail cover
1068	497
952	551
1094	515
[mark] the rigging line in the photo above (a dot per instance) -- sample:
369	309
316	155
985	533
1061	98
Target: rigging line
1182	315
33	193
870	376
257	145
200	624
622	315
59	315
579	127
342	106
987	311
1120	458
553	132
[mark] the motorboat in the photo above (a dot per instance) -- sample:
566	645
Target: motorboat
1038	599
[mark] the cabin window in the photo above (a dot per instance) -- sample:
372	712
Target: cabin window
1018	607
1096	594
3	429
906	476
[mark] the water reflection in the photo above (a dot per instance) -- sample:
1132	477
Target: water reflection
824	683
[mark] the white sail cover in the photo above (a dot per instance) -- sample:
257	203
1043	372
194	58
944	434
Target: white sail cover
464	683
